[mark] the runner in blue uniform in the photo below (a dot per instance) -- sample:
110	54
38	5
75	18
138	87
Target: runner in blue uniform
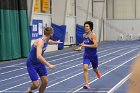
36	62
90	53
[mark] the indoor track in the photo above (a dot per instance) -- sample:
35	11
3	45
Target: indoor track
115	60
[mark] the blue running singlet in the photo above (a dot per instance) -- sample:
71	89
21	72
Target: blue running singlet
90	54
34	66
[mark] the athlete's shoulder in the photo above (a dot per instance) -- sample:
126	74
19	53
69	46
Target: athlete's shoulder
93	35
39	39
39	42
84	35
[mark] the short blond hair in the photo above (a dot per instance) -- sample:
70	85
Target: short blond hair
48	31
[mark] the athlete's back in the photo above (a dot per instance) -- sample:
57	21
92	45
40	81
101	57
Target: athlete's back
33	55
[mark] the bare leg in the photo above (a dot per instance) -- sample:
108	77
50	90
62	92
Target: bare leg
86	73
35	85
97	72
44	80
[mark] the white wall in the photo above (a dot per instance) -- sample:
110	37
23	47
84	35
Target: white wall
99	9
99	12
84	13
81	11
138	9
96	28
70	8
59	11
122	29
45	17
109	9
124	9
29	7
70	30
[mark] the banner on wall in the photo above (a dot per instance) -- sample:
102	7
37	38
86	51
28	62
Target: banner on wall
36	30
36	6
59	34
79	34
45	6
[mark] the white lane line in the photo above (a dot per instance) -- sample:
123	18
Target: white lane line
58	55
13	77
15	86
11	65
119	84
14	92
62	62
12	71
56	64
108	72
73	75
89	69
45	57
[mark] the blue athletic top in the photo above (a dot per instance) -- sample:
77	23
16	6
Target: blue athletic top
32	58
89	51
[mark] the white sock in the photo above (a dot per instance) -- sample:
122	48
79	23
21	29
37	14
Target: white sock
29	89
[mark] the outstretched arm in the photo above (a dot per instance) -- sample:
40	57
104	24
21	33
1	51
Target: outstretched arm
54	42
79	48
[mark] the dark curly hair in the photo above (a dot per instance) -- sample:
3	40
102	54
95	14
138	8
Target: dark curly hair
90	24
